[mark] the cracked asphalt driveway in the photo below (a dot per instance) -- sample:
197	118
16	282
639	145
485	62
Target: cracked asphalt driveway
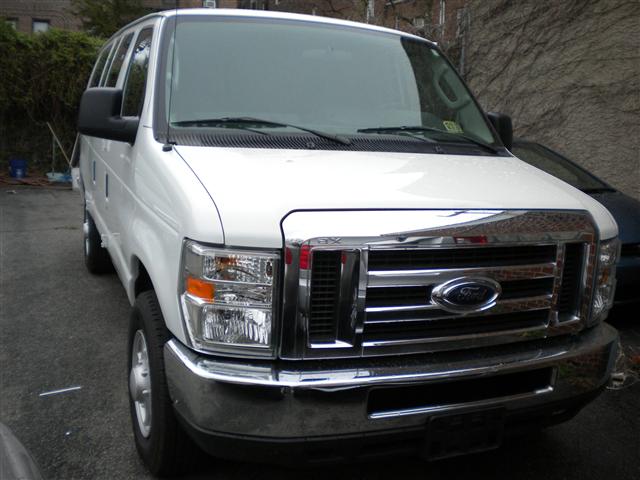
62	328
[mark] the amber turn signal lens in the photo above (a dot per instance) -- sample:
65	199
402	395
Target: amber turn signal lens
200	288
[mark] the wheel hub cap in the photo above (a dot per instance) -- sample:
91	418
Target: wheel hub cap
140	383
85	231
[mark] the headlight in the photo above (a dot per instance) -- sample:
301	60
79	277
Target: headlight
605	279
227	299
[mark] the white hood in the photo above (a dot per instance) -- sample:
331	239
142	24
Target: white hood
254	189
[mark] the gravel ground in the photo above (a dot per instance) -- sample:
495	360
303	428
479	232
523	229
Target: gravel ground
61	327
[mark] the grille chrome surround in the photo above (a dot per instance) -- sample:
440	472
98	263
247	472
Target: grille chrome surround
524	251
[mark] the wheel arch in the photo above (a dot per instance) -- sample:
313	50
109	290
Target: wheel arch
142	280
159	276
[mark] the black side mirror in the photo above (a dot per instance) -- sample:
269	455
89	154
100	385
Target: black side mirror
99	115
503	126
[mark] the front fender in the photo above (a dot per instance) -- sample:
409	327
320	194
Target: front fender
170	204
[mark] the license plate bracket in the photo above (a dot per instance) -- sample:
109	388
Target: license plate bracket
462	433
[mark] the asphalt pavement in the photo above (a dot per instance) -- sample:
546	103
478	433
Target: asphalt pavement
64	329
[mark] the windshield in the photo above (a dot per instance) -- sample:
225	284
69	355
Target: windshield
558	166
333	79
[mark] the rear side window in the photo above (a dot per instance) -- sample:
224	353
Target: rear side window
118	60
137	76
97	71
108	65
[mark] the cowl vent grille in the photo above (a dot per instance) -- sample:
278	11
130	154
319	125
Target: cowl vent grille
375	143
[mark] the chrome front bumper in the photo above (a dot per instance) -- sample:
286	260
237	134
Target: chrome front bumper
310	399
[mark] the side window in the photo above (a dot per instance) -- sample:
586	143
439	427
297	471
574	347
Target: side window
118	60
100	63
108	64
137	75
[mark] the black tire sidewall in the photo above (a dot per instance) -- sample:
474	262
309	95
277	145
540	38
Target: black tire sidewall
96	258
160	450
143	444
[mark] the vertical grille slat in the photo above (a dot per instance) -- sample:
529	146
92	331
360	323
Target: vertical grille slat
325	290
568	297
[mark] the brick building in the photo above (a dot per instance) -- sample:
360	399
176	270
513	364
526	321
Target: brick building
37	16
30	16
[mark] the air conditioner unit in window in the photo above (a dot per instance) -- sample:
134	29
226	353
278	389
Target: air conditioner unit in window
209	4
418	22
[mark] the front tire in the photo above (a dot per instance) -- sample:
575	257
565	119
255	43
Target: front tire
161	443
96	258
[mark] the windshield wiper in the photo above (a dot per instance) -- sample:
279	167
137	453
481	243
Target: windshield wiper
246	122
216	122
422	129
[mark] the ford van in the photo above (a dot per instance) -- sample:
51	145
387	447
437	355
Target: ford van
329	250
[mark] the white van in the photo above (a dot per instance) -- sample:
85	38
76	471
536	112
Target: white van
330	252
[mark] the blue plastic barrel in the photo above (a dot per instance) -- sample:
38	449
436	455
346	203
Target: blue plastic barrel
17	168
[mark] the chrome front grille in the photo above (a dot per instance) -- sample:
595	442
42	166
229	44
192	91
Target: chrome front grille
399	309
367	295
417	329
463	257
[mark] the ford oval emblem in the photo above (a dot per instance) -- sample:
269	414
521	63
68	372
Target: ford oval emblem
466	294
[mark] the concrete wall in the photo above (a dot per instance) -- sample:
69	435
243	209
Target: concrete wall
568	72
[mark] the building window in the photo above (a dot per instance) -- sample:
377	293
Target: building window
40	26
13	22
418	22
209	4
442	12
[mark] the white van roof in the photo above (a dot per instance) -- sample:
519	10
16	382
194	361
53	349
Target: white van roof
268	14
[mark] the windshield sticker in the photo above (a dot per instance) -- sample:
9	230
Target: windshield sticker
452	126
